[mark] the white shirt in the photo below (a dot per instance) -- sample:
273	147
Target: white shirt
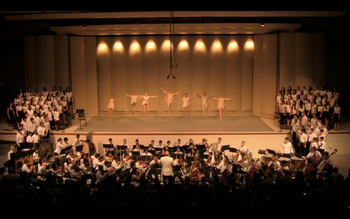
59	147
167	163
286	148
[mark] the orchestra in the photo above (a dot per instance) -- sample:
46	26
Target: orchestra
189	160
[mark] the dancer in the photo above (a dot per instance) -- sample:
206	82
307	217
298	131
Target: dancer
145	102
134	98
169	98
221	103
111	100
204	101
185	103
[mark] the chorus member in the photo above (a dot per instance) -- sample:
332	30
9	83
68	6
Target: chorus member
31	126
302	142
221	103
169	98
288	112
42	132
110	106
336	116
167	164
322	145
134	97
204	98
186	103
145	103
56	118
36	139
20	139
11	116
30	140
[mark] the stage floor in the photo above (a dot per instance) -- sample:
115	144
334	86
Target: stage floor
179	124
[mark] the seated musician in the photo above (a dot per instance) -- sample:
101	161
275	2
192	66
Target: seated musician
237	158
154	168
180	168
170	146
253	168
325	167
314	157
97	161
137	148
243	148
178	151
139	169
146	152
274	165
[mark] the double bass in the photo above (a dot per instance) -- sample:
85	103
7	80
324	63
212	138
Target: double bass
324	167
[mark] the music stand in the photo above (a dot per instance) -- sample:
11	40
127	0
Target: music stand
65	150
200	146
232	149
205	156
178	156
144	157
225	147
79	148
121	148
189	159
135	153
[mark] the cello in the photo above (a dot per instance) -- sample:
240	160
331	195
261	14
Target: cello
325	167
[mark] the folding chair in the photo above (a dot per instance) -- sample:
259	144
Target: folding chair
81	116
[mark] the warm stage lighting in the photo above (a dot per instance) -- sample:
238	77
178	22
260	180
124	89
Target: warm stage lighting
249	45
102	48
216	46
150	46
200	46
118	46
134	47
232	46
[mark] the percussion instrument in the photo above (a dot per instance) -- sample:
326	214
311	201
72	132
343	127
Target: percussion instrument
89	147
45	150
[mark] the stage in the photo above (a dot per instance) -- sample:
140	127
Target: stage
176	124
258	133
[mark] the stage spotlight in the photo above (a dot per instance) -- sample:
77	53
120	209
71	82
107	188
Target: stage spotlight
263	24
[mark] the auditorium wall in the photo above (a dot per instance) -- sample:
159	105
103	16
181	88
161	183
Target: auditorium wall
248	68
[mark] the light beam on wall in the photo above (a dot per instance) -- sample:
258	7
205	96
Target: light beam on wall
102	48
150	46
232	46
134	47
216	47
183	45
118	46
165	47
249	45
200	46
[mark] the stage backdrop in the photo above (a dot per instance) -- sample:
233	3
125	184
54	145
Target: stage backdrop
248	68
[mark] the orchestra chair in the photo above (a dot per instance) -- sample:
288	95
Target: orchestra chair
81	116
